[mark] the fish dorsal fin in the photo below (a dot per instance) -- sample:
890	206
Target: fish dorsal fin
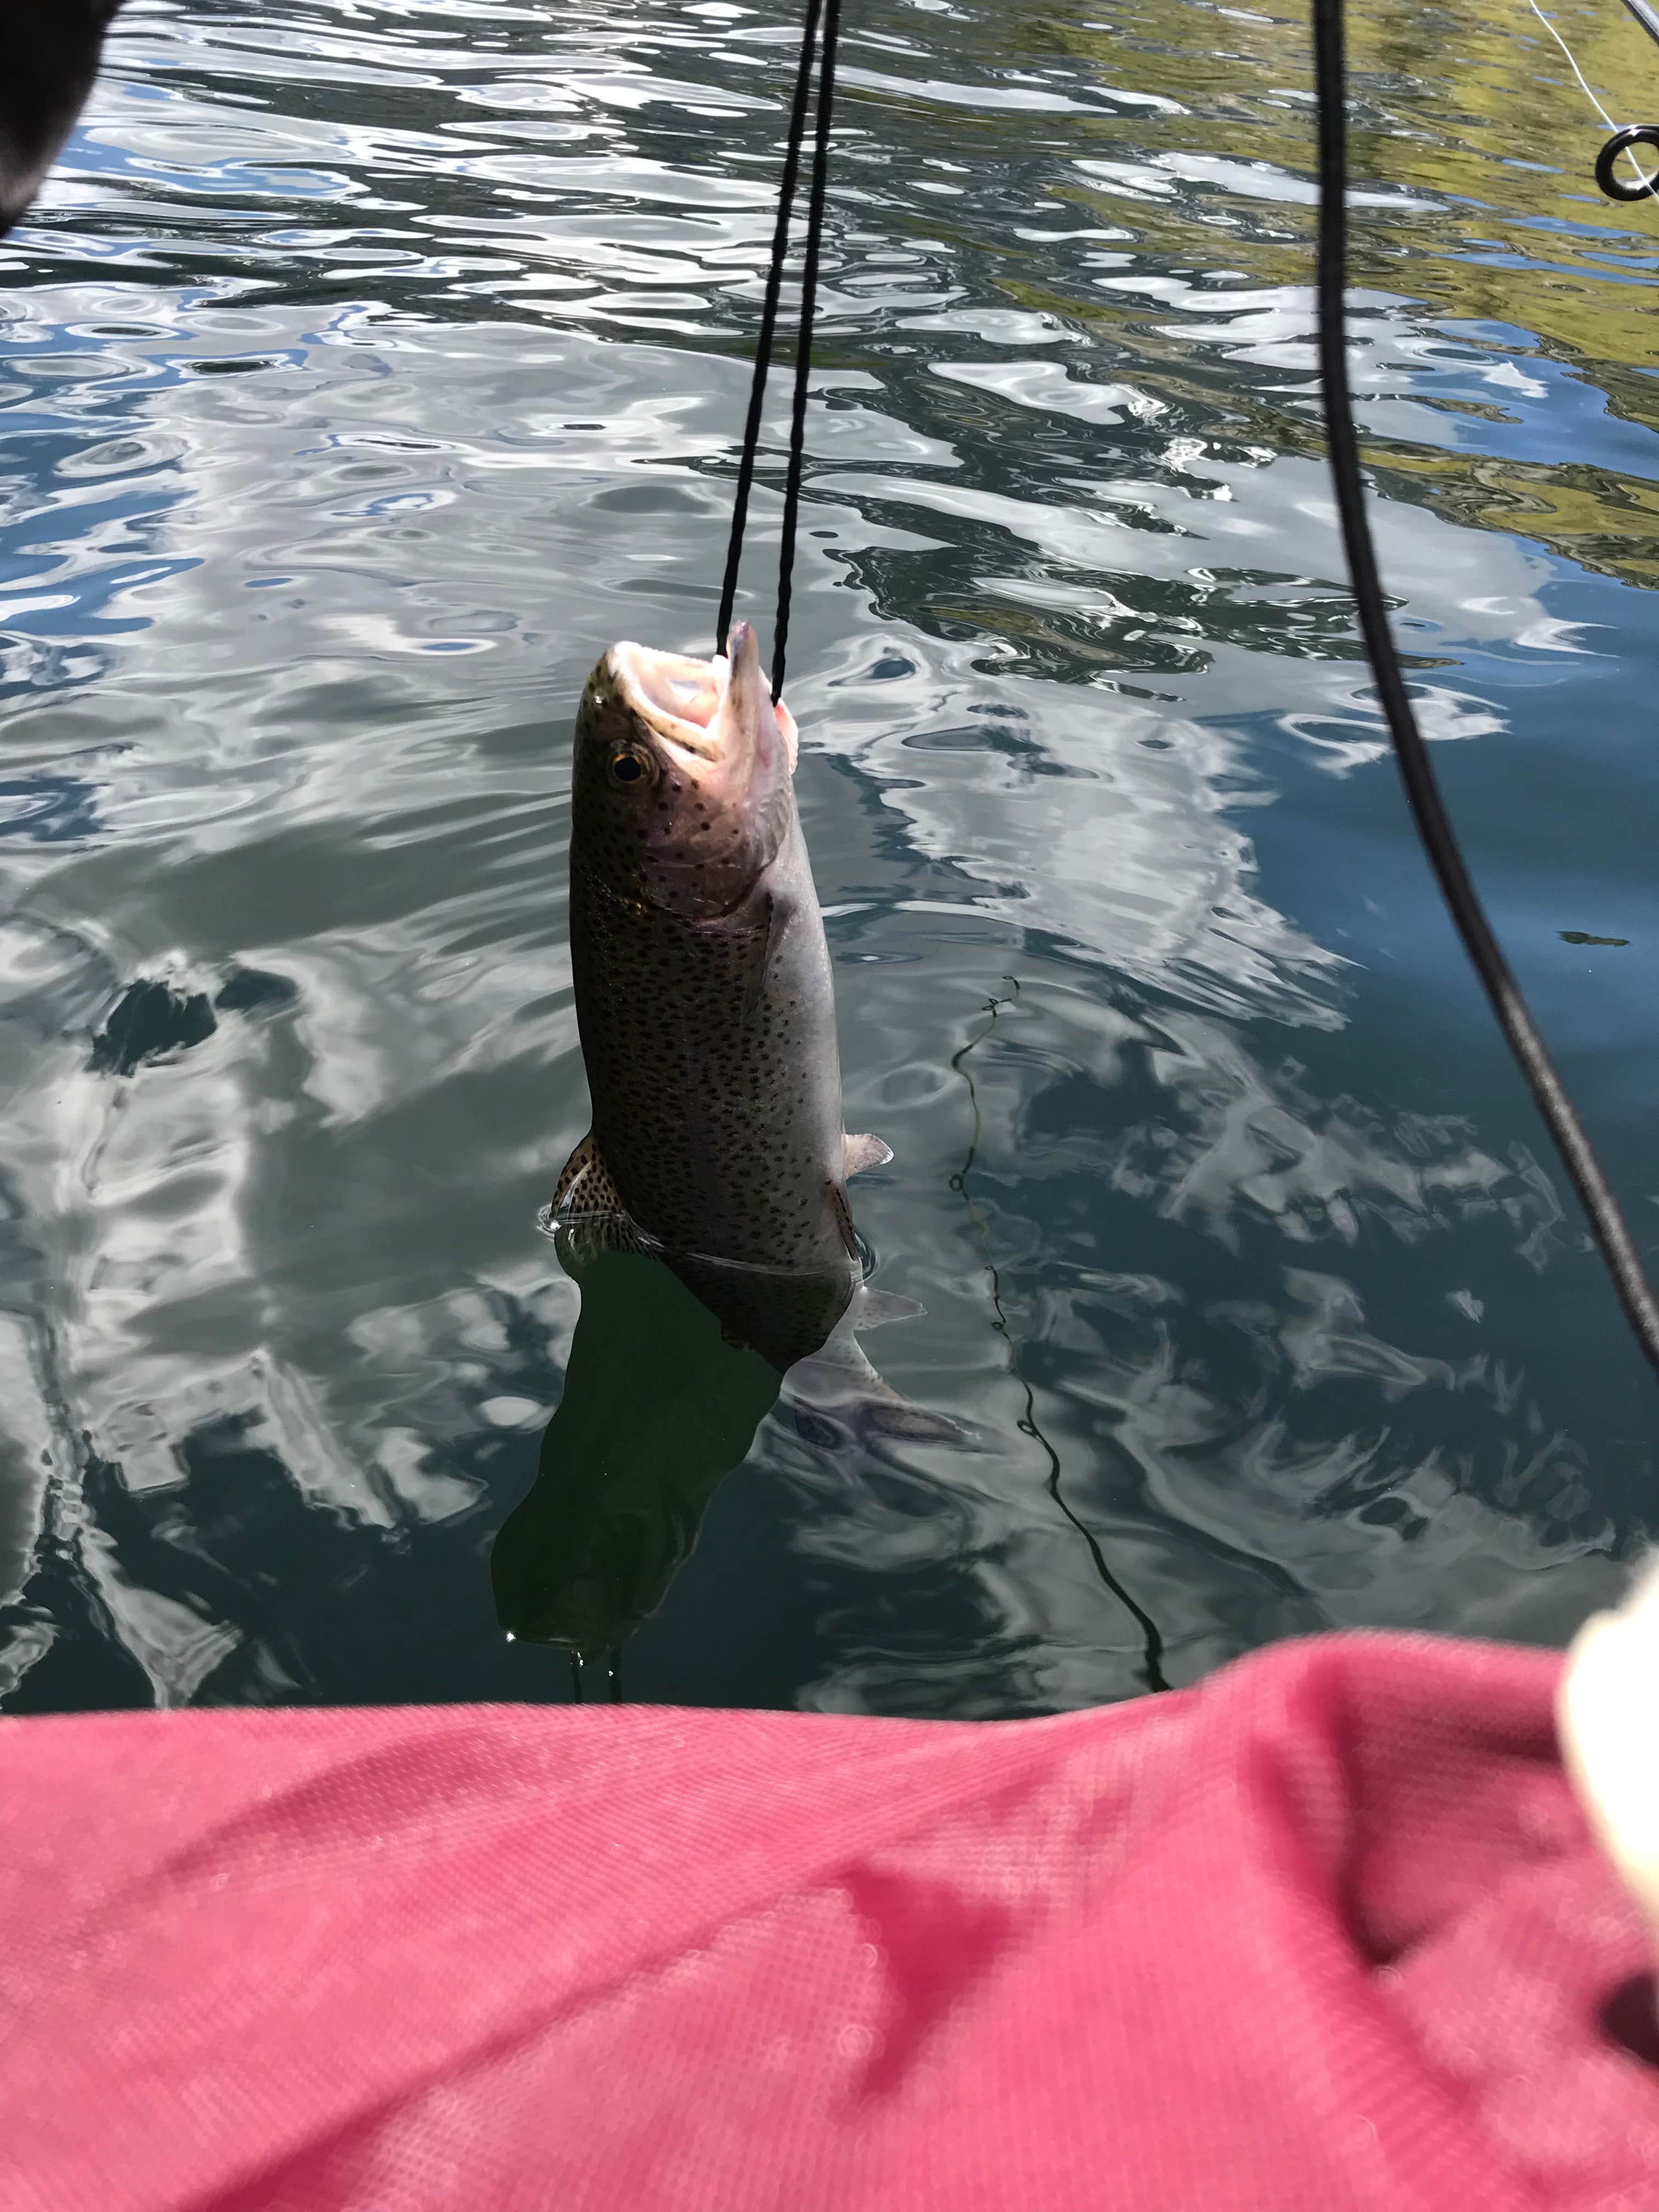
585	1184
866	1152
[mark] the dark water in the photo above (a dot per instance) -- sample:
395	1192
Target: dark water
368	368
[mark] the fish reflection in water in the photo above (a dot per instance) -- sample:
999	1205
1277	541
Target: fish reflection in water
659	1407
662	1400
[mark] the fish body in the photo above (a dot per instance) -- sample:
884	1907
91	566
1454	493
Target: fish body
704	997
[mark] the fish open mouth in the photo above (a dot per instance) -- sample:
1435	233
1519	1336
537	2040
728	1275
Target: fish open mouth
700	707
680	698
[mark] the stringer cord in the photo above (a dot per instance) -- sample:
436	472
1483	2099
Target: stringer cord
809	302
1641	175
1607	1223
768	320
830	11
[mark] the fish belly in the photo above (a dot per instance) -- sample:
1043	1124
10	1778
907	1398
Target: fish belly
711	1057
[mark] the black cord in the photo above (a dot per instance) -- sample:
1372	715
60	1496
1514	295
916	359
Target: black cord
1151	1646
809	303
830	12
1607	1223
768	320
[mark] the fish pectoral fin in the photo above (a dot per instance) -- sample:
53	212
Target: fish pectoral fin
585	1185
866	1152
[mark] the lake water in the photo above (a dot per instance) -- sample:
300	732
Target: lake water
367	369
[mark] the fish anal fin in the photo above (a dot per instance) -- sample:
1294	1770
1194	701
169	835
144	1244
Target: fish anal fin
866	1152
585	1185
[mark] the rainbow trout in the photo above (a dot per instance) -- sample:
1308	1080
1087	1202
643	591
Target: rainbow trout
704	999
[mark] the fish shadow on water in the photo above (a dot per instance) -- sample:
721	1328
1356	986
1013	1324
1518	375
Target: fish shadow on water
662	1400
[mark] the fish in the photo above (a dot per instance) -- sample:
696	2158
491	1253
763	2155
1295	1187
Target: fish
49	61
706	1010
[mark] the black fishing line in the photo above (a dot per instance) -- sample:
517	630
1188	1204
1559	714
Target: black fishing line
1151	1648
751	429
820	61
809	304
1607	1223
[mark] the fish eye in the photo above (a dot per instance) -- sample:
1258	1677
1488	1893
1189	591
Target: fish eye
629	767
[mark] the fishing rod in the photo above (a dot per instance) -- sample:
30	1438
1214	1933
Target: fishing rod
1608	1224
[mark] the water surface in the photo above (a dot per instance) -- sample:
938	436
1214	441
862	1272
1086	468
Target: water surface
368	368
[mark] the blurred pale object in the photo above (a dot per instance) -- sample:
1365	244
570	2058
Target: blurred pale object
1607	1710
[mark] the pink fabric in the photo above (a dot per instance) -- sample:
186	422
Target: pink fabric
1325	1932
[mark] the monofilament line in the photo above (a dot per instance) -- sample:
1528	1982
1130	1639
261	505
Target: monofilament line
1584	82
